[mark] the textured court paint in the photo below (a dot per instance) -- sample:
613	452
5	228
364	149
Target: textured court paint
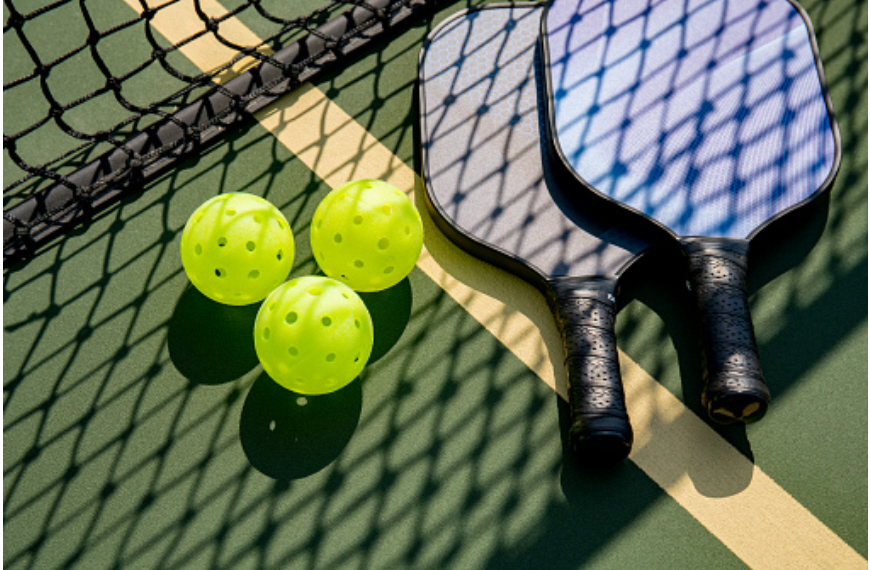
179	21
338	149
762	524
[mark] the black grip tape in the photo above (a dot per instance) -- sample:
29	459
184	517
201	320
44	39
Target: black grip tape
585	312
734	387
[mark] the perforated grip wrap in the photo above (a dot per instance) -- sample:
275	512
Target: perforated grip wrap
585	311
734	388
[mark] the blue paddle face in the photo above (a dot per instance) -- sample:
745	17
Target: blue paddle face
490	188
483	165
708	116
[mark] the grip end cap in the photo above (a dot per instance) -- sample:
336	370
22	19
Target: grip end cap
739	407
601	446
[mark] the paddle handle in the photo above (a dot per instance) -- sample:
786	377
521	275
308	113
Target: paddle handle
734	387
585	311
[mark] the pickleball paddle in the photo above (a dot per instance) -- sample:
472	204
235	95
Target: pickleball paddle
712	119
490	191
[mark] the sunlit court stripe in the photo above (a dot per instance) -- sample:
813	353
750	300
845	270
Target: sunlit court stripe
743	507
739	504
179	21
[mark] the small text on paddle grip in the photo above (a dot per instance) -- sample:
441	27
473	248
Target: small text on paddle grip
734	387
585	311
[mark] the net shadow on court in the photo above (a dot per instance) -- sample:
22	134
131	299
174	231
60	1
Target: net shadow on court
114	458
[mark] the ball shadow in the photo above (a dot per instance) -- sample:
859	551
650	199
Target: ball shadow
287	435
390	310
211	343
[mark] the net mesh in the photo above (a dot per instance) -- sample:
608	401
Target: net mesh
100	95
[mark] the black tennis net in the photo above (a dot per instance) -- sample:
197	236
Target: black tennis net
83	126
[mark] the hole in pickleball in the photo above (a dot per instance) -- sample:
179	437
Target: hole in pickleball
293	351
315	291
280	254
220	272
389	269
330	357
251	246
384	243
407	230
222	242
337	238
291	318
198	249
356	358
357	220
345	295
326	321
231	212
253	274
356	323
258	218
267	333
358	263
387	210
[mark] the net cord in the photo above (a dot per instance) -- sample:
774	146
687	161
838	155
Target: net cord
74	199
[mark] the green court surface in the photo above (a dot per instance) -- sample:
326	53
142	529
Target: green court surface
141	432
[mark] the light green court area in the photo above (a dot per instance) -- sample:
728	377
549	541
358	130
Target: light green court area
141	432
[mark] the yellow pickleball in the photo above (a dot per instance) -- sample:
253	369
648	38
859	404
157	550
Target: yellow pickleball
236	248
313	335
367	234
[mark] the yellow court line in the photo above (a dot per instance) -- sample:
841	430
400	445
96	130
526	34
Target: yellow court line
738	503
179	21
